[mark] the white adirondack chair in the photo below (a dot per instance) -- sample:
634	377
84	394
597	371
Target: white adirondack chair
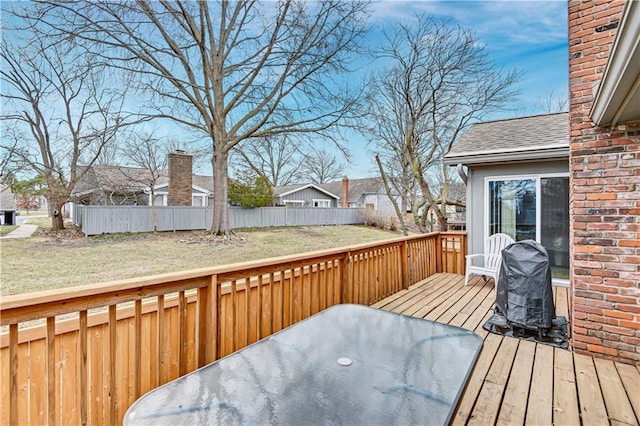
492	258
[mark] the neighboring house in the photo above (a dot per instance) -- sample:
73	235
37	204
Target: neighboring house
605	177
307	195
7	205
115	185
518	183
7	200
456	215
200	195
367	193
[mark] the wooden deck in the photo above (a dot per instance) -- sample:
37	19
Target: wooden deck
521	382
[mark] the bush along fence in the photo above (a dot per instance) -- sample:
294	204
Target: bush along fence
95	220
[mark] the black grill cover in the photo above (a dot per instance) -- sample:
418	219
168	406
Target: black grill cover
524	294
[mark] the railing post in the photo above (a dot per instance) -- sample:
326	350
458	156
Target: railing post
113	337
84	389
160	339
137	383
439	254
214	329
208	322
13	374
404	253
51	370
346	272
463	254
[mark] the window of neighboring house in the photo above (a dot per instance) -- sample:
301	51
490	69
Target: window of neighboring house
321	203
532	207
293	203
370	206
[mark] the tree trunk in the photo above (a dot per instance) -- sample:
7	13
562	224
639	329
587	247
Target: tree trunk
57	218
154	212
393	199
220	224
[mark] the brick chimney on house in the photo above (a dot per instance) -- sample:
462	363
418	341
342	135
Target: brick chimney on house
345	192
180	179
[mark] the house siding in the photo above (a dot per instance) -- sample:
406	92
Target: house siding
308	195
381	203
604	198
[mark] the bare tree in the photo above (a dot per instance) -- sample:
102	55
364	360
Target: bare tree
319	166
10	144
277	159
552	102
440	80
146	152
54	94
230	70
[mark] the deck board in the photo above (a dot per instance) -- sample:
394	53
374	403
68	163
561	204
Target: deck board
521	382
630	377
565	396
618	409
512	410
540	405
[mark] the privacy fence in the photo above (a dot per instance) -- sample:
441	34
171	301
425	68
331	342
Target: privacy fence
95	220
102	346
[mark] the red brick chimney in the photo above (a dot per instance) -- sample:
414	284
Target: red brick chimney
345	192
180	179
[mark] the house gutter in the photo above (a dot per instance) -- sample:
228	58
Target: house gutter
492	157
621	80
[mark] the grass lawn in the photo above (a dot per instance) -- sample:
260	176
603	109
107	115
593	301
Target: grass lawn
41	221
5	229
40	263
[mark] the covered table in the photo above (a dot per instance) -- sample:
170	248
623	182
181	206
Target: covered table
349	364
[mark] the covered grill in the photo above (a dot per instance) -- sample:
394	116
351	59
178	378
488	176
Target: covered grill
523	294
524	297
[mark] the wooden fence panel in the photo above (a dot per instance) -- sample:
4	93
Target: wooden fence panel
151	330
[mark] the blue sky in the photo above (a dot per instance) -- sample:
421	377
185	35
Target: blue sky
530	36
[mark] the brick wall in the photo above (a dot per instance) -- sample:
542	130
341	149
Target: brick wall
604	198
180	179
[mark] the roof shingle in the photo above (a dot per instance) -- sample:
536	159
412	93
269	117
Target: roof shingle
516	136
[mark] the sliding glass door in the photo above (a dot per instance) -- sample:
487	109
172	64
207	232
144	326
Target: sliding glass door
513	208
533	207
554	223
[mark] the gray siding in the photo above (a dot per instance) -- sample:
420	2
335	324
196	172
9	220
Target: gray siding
476	192
96	220
308	195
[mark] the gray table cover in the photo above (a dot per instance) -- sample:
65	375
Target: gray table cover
400	370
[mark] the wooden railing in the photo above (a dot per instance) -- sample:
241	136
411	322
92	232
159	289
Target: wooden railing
127	337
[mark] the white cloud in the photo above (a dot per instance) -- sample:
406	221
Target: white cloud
499	23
